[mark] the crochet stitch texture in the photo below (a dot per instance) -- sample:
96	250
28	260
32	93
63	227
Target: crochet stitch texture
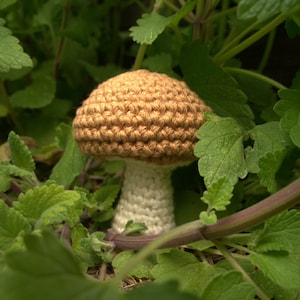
150	120
140	114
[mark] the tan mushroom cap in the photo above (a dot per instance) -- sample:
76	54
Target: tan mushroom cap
141	115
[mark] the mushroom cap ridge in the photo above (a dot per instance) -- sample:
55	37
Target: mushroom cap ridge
142	115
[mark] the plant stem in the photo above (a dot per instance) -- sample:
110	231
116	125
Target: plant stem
256	75
139	57
61	41
238	222
220	59
267	52
239	268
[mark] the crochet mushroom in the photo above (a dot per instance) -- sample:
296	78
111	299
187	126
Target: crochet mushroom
149	120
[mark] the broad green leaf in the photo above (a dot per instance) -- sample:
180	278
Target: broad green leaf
143	270
216	87
228	286
288	108
279	267
3	110
44	268
263	9
20	154
161	63
268	138
41	91
218	194
268	167
220	150
71	163
149	27
176	264
281	232
12	225
11	53
50	205
165	291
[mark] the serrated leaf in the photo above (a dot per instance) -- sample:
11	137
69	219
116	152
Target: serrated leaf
269	165
220	150
268	138
11	53
263	9
288	108
12	224
281	232
208	218
40	93
228	286
149	27
43	268
105	196
216	87
11	170
176	264
20	154
4	181
50	205
166	291
218	194
71	163
279	267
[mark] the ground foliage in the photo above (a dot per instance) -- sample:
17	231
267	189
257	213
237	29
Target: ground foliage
56	203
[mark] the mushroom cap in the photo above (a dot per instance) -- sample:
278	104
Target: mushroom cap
141	115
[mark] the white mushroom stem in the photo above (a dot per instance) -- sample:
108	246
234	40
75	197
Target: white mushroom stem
147	197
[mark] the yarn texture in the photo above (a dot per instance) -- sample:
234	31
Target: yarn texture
150	120
147	197
140	114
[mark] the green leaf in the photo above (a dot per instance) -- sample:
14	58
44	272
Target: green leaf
20	154
269	165
11	53
166	291
40	93
262	9
268	138
47	13
220	150
279	267
216	87
44	268
208	218
177	264
50	205
218	194
71	163
161	63
281	232
149	27
4	181
143	270
288	108
228	286
12	225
